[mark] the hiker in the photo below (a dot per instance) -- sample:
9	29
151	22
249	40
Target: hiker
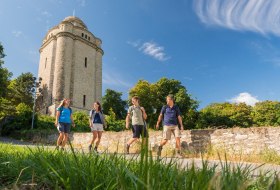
138	116
63	122
170	114
97	124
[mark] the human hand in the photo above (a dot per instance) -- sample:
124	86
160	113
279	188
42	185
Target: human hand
127	126
157	126
182	128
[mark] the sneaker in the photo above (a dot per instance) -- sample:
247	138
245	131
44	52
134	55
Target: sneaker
127	149
89	148
159	150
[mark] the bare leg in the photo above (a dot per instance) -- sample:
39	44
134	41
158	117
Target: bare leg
59	139
178	143
94	136
65	139
132	140
163	142
99	135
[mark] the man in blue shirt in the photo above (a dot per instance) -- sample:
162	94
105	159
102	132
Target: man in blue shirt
171	115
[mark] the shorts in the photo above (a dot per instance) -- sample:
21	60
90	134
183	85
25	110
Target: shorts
97	127
63	127
139	130
167	130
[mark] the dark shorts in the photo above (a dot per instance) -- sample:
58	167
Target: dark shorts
64	127
139	130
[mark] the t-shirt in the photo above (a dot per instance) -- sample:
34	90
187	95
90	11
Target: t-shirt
136	115
170	115
97	118
65	114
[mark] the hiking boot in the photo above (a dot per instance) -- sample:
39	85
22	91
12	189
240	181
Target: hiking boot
179	154
127	149
62	149
57	148
95	150
89	148
159	150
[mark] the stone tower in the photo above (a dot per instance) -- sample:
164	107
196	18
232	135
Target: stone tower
70	66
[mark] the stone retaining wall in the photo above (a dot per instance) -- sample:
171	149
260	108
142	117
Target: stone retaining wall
237	140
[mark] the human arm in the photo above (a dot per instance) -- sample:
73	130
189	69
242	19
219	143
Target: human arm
57	118
181	123
89	119
127	120
159	120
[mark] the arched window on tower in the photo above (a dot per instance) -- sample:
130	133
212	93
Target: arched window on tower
85	36
84	101
89	38
46	62
86	62
82	34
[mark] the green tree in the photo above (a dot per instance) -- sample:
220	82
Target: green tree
5	75
146	93
6	108
22	88
225	115
153	97
266	113
112	99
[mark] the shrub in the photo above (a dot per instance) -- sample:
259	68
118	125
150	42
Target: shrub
112	123
45	122
81	120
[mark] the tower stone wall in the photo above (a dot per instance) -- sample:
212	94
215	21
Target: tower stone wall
70	66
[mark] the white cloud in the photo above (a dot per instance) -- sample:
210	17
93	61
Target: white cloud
46	13
150	48
17	33
260	16
245	97
112	79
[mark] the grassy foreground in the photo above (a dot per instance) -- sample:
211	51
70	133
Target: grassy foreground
39	168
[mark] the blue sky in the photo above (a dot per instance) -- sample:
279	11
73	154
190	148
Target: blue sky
221	50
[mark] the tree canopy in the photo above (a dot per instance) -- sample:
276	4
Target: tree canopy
112	99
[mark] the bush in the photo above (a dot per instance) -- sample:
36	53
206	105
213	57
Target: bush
81	120
112	123
45	122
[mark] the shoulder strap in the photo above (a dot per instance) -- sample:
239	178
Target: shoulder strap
164	109
60	108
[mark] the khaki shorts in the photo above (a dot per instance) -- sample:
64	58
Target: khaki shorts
167	130
97	127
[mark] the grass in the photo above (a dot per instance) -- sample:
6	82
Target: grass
40	168
266	156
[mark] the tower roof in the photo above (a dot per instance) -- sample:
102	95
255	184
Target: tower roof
75	21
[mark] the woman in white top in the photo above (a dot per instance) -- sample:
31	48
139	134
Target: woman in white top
97	124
